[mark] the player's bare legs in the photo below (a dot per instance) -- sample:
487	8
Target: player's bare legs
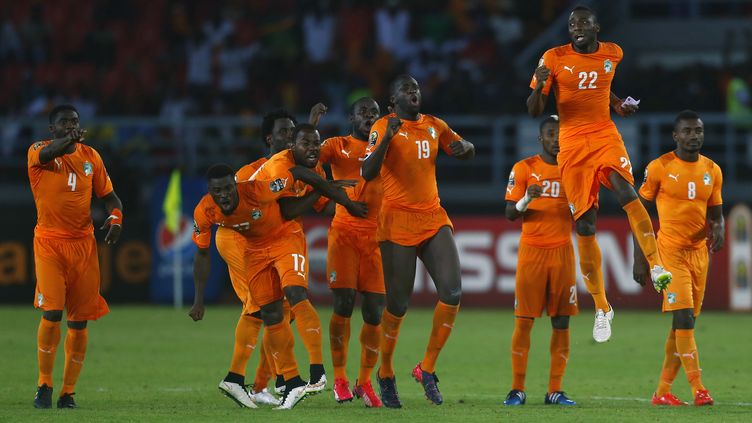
439	255
309	328
398	263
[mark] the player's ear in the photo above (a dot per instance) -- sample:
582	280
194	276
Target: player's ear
597	28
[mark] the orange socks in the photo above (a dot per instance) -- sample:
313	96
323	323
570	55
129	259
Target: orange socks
559	358
590	266
339	340
48	338
642	228
281	343
246	336
690	359
369	350
520	348
309	327
390	327
443	323
265	369
671	365
75	351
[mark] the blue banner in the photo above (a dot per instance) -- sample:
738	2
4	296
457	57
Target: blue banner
163	245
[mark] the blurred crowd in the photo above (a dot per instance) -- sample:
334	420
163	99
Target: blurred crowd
228	57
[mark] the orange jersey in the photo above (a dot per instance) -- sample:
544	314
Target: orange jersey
346	155
250	218
408	173
683	191
582	85
547	223
248	170
62	190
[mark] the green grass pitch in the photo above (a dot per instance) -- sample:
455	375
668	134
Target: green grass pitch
155	364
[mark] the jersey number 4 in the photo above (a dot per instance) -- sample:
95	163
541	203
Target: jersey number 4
584	84
72	181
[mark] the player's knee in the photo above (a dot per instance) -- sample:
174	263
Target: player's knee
78	325
560	322
451	296
684	319
344	301
295	294
372	308
53	315
585	227
272	313
397	308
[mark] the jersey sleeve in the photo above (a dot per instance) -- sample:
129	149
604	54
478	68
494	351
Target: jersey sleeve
328	150
33	154
377	135
651	181
517	184
446	136
548	59
715	196
201	226
277	181
102	183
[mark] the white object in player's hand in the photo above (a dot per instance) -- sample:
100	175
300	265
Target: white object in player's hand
629	101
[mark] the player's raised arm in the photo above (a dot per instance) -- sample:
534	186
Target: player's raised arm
61	146
517	209
372	164
317	111
717	227
327	189
536	101
201	269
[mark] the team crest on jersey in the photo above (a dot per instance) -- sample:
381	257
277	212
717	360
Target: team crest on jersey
511	179
37	145
645	176
671	297
256	214
196	230
40	299
706	178
333	276
432	132
88	169
608	66
278	184
372	138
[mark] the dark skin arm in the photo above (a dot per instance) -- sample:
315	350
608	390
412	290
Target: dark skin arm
717	228
511	212
329	190
111	201
372	165
463	150
536	101
293	207
317	111
626	110
60	146
641	268
201	269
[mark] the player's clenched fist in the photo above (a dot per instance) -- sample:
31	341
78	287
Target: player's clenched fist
460	148
357	209
393	125
541	76
197	312
534	191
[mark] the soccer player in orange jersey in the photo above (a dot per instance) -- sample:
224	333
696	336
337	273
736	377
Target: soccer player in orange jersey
353	258
592	151
286	177
686	188
545	262
63	173
412	224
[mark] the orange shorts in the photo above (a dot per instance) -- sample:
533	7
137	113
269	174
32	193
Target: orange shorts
587	165
67	272
354	260
690	270
232	246
409	228
545	278
281	263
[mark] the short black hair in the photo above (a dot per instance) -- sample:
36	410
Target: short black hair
267	126
219	170
686	115
394	86
583	8
60	108
351	110
302	127
546	121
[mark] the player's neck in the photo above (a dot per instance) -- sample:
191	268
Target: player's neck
590	48
548	158
686	156
359	136
407	116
